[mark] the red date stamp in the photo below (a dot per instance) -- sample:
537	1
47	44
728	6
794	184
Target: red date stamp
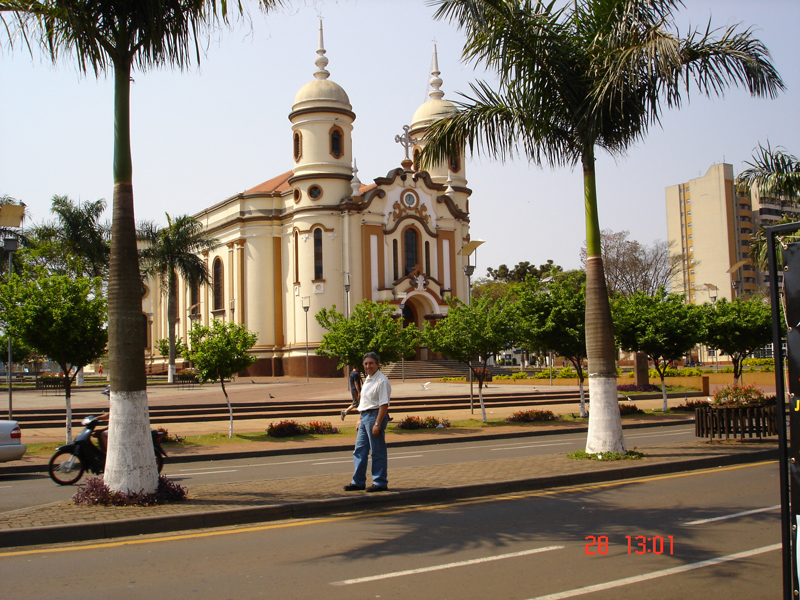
637	544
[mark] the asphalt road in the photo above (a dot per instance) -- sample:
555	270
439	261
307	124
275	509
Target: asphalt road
719	528
23	491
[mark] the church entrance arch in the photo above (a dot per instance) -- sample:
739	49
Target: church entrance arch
416	306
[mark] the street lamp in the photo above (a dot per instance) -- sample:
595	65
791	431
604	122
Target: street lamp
306	305
10	245
467	250
346	294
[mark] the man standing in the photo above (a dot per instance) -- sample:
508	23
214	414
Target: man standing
374	409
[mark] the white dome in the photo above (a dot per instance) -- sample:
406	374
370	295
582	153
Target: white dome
431	111
322	92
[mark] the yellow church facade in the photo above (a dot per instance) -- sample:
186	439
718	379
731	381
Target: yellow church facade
315	237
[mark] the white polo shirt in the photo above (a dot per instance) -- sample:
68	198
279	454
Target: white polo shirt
375	392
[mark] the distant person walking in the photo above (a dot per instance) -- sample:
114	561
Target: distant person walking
355	391
374	408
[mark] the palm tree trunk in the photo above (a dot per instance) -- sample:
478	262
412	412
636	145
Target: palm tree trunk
130	465
605	424
172	319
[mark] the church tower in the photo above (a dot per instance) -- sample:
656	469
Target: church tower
427	114
322	126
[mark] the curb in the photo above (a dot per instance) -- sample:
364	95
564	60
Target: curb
176	459
76	532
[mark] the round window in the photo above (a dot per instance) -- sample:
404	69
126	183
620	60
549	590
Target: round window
314	192
297	195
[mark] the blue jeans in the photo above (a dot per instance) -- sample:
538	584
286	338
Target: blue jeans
365	442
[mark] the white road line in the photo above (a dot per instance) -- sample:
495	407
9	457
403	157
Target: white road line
534	446
665	434
656	574
204	473
350	460
462	563
5	486
731	516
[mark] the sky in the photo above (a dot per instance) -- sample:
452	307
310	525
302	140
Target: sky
214	130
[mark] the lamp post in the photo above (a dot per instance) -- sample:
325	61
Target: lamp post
306	305
713	291
467	250
10	245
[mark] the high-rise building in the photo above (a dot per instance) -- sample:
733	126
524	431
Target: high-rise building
709	225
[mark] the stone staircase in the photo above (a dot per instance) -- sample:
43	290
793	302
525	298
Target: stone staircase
425	369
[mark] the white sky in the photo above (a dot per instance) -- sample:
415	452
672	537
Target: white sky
203	135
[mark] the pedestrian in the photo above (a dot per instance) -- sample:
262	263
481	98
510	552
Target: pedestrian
371	436
355	391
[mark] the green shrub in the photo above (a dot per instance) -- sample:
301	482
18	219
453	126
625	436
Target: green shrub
567	373
502	377
630	409
291	427
529	416
690	405
519	375
738	395
412	422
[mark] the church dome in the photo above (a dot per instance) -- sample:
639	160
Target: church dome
435	108
321	92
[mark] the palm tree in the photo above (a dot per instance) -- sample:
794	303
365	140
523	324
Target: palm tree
115	35
594	74
171	251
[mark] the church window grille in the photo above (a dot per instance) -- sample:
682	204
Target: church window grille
410	250
394	259
218	284
317	254
298	145
315	192
427	258
337	142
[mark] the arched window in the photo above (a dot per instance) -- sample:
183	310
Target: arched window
337	142
296	257
298	145
394	259
410	250
317	254
455	163
417	150
427	258
218	282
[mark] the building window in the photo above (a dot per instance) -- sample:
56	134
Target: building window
337	142
315	192
317	254
417	150
455	163
297	195
296	257
410	250
690	236
394	260
194	300
218	284
427	258
298	146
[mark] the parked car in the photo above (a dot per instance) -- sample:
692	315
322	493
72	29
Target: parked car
11	446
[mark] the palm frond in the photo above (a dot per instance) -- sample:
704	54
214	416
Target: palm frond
773	172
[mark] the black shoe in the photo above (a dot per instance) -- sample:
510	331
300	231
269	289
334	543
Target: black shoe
352	487
377	488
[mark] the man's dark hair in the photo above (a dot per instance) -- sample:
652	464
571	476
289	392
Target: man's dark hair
373	356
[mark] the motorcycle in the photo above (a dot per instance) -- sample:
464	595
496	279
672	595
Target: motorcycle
71	460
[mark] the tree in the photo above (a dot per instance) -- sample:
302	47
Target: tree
20	353
171	251
372	327
117	36
522	271
61	317
632	267
593	74
662	326
552	316
219	352
738	328
773	173
473	331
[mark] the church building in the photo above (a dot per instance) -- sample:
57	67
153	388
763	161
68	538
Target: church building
316	236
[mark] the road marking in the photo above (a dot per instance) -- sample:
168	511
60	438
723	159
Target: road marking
461	563
349	461
5	486
664	434
203	473
732	516
656	574
385	513
533	446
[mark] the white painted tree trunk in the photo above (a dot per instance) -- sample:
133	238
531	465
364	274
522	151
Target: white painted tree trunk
79	378
171	374
605	427
131	463
68	400
583	399
665	407
480	397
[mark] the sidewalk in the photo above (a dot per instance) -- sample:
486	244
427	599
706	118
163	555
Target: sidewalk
230	504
